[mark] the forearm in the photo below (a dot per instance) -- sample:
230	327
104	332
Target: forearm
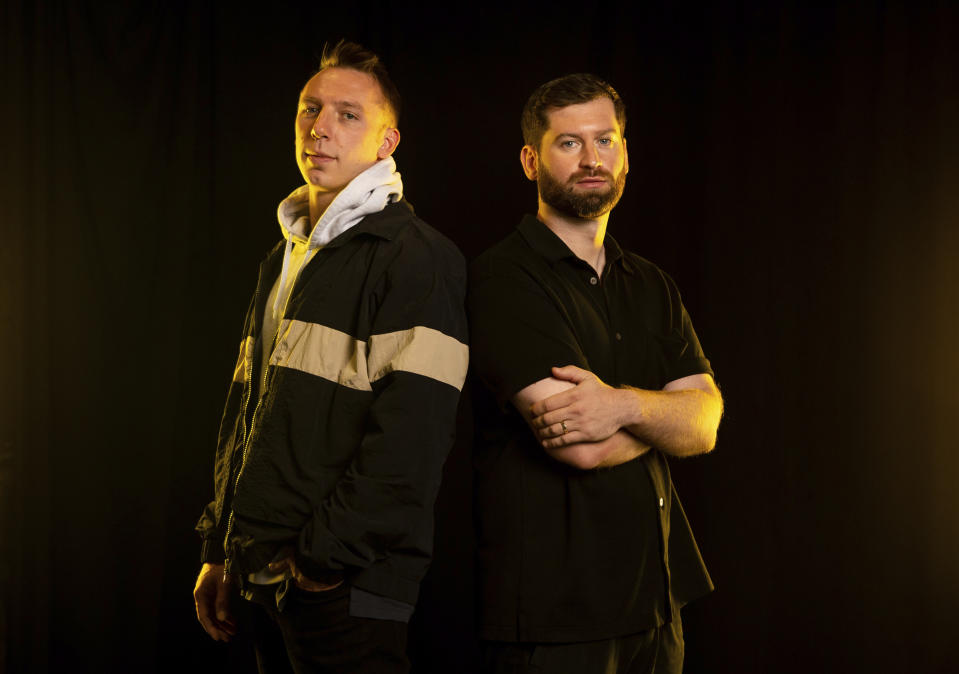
618	448
679	423
681	420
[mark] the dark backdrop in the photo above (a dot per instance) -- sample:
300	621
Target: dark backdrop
795	169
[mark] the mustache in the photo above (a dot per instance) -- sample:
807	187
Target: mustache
591	173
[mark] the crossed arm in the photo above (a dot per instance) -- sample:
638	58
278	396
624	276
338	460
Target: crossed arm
582	421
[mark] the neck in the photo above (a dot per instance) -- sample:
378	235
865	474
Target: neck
584	236
319	201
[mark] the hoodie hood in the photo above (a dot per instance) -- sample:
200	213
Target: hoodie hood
369	192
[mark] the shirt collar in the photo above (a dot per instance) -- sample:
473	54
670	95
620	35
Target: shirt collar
542	239
615	255
545	242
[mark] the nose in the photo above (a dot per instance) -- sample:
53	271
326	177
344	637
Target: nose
318	130
590	158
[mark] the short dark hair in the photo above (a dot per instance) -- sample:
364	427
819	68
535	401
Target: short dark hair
561	92
357	57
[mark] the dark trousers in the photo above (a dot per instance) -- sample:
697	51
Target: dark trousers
315	634
656	651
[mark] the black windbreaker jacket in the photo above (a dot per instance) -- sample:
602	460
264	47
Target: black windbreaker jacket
340	459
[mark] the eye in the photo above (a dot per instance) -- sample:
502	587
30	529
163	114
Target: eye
605	141
349	116
569	144
311	110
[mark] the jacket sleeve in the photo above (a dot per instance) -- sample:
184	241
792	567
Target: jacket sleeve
211	550
213	521
417	360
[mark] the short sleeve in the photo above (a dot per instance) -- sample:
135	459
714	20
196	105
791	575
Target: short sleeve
681	348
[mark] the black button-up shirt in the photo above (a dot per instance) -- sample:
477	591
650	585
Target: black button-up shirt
565	554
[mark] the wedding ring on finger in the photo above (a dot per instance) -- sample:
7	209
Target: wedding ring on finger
563	424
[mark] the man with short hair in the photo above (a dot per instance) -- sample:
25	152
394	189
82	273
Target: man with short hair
341	411
591	374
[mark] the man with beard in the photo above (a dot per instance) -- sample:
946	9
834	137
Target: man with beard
590	373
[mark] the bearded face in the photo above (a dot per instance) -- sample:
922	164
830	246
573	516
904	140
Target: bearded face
583	194
580	163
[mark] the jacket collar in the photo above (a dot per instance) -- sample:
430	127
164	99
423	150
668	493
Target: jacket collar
385	224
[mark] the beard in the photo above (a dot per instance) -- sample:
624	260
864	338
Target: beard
590	204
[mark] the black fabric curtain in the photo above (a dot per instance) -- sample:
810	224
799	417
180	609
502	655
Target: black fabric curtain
793	167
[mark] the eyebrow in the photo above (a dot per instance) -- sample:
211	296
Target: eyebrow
604	132
339	104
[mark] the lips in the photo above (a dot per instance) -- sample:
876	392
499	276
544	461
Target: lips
592	181
318	157
592	178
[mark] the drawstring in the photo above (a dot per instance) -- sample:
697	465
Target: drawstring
286	267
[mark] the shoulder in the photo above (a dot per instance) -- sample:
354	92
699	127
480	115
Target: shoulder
414	242
511	279
642	265
510	257
650	273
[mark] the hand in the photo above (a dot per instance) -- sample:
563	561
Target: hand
302	581
591	411
212	598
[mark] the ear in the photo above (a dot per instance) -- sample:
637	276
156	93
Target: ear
625	157
390	140
529	160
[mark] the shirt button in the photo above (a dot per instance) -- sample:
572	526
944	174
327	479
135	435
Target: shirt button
661	502
619	337
593	280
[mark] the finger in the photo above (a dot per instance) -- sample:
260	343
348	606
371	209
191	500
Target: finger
555	402
308	585
542	421
571	373
570	438
222	602
217	633
281	565
210	626
303	582
539	408
312	586
202	612
556	417
552	431
220	631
